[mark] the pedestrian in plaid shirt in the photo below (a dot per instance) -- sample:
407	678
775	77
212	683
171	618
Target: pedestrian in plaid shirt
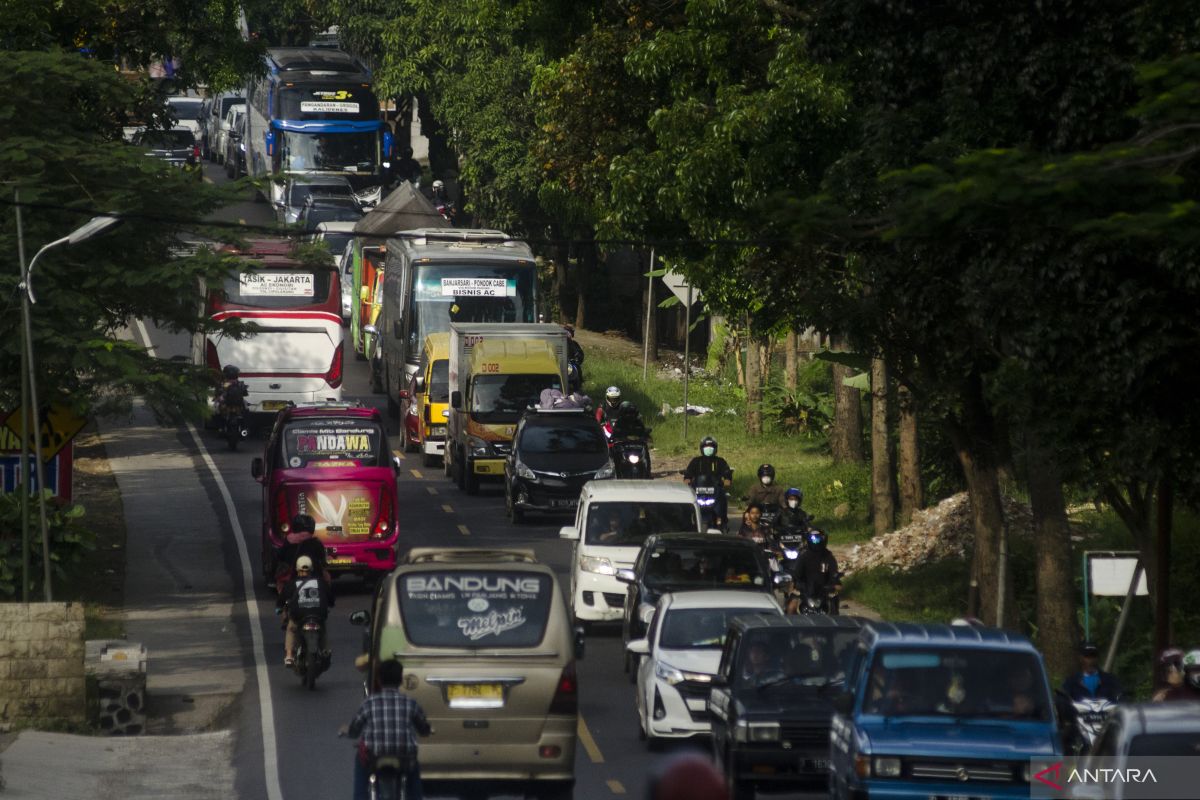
387	724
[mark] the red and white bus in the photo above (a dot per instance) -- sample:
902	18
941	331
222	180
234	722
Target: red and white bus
296	355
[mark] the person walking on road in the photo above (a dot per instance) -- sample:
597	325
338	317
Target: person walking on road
387	724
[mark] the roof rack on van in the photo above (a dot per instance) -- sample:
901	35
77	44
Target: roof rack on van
469	555
422	236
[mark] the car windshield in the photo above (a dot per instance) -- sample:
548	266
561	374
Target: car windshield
318	214
465	608
166	140
336	242
439	384
186	109
627	524
798	657
278	288
299	191
698	628
333	443
503	398
704	566
562	440
957	682
1176	743
349	152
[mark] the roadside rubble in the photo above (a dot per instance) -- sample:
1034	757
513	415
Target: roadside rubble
942	531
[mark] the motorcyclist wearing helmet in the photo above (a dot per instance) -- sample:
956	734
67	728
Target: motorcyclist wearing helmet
1172	682
607	411
766	492
231	390
1191	669
1091	682
816	572
407	168
628	423
793	519
709	463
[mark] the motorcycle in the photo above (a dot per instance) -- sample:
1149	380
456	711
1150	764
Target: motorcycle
387	780
631	457
310	662
827	602
230	416
1090	716
448	210
710	497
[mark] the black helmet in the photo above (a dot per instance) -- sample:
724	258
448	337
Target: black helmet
817	539
708	441
766	470
406	152
303	522
230	372
627	409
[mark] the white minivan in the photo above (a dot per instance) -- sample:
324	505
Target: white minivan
613	519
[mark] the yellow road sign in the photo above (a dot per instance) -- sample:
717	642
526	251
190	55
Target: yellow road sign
59	426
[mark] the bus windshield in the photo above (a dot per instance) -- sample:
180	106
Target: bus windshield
445	293
348	152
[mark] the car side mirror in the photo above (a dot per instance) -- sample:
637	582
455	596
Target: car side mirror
398	328
420	383
445	413
843	703
256	469
580	642
626	576
456	400
639	647
360	617
568	532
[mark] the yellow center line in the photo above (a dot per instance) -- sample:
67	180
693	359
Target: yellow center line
463	530
615	786
398	454
589	744
416	473
448	509
431	490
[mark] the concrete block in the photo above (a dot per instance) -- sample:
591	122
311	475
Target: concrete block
12	613
27	668
71	629
52	612
48	648
63	668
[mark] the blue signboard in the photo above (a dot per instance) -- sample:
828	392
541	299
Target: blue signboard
10	472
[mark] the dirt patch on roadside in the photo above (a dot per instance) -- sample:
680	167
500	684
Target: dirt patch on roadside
100	580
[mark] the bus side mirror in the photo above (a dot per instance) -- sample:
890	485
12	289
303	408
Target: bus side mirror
456	400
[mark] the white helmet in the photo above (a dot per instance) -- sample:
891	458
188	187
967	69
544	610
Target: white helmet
439	185
613	394
1191	668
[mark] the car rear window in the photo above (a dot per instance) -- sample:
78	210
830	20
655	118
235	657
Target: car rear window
563	440
278	288
703	566
627	524
332	443
165	140
475	608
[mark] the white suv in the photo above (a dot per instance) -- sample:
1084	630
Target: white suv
612	521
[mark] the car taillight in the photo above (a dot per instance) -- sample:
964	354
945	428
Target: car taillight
283	519
196	151
383	523
566	696
210	356
334	376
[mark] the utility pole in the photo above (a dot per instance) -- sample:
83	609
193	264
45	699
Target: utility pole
23	486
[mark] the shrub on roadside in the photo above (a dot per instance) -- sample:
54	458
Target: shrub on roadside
69	542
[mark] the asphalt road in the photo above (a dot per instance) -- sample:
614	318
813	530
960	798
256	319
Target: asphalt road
312	761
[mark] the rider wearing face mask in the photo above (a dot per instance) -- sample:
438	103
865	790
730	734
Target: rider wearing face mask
766	492
708	462
793	518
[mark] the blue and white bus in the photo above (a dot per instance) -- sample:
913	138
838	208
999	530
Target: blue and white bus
313	113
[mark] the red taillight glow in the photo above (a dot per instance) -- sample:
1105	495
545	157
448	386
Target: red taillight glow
566	696
283	517
383	522
549	751
211	359
196	151
334	376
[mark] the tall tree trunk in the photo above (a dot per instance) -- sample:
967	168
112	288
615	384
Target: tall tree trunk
738	366
753	387
1056	622
973	437
912	494
846	438
1164	516
789	361
651	332
764	360
883	511
585	273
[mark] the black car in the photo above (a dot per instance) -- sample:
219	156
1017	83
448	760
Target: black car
554	453
772	699
678	562
318	209
297	191
173	146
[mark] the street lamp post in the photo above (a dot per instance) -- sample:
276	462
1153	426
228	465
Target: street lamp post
31	421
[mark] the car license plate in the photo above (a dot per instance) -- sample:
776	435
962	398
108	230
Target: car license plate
475	695
564	503
338	562
817	764
273	405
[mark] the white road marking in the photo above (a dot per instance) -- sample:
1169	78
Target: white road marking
265	705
